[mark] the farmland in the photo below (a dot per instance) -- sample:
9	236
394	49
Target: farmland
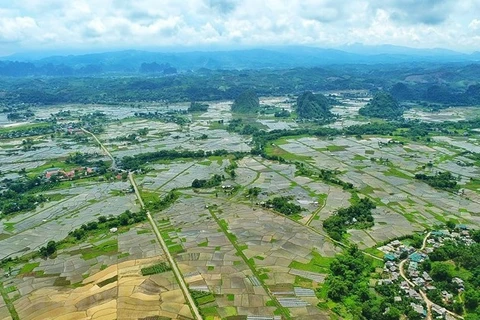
239	255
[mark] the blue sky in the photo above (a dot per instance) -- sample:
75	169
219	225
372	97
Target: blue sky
120	24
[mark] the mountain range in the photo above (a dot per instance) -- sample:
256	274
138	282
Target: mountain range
130	61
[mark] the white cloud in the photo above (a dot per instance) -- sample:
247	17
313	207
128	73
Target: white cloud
474	24
33	24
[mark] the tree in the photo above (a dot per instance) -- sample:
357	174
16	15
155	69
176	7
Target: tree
427	265
337	288
413	315
476	236
254	192
49	249
472	299
458	307
441	272
450	225
392	314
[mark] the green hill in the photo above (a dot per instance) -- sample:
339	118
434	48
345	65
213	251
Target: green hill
313	106
383	105
246	102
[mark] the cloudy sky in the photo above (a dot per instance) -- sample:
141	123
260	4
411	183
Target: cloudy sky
138	24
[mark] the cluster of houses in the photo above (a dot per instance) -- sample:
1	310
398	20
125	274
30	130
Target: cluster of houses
438	237
68	175
396	251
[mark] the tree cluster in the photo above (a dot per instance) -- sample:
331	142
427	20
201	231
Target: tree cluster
445	262
214	181
106	223
137	161
284	206
348	283
197	107
358	215
441	180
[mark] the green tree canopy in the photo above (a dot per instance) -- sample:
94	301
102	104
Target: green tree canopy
246	102
313	106
383	105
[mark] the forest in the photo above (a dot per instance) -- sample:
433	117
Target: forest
458	85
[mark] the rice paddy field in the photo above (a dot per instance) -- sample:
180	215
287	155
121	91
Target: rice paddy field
239	258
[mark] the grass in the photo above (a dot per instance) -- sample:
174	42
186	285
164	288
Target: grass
336	148
202	297
210	313
24	127
29	267
270	303
230	311
61	282
8	302
109	247
367	190
107	281
317	264
397	173
276	151
205	163
203	244
176	248
214	125
9	226
155	269
230	297
358	157
123	255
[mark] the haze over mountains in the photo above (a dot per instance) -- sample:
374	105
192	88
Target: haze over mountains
130	61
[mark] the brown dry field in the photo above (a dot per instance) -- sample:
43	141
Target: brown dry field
132	296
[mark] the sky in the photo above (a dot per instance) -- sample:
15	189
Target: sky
96	25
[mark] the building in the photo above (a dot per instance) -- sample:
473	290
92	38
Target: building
389	257
426	276
416	257
418	308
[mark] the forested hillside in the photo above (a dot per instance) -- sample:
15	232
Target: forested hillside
246	102
383	105
313	106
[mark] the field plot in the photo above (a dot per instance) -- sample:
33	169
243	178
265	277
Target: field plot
181	174
209	261
82	203
234	252
384	172
117	292
316	198
105	278
447	114
43	154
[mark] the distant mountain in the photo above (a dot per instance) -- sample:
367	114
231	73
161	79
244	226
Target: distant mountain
358	48
131	61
